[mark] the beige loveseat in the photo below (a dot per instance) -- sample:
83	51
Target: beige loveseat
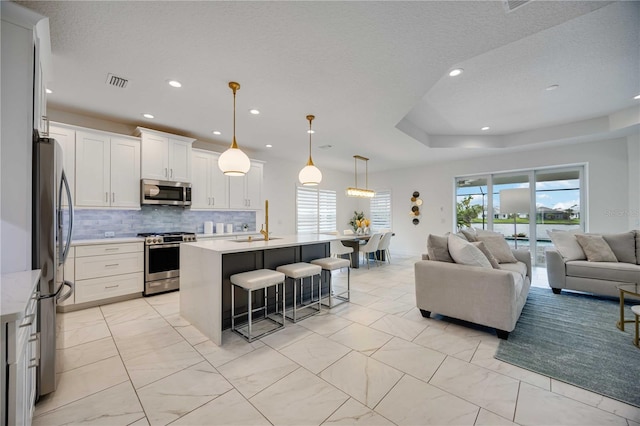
569	268
490	297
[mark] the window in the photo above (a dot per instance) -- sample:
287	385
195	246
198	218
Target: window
315	210
557	201
380	209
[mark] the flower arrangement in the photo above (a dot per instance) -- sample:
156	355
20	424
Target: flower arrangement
359	221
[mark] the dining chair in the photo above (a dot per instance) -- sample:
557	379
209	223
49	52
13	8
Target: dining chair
338	249
383	246
370	247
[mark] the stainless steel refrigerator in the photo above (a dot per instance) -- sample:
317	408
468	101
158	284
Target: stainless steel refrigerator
52	230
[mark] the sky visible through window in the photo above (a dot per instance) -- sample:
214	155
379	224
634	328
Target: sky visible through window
557	194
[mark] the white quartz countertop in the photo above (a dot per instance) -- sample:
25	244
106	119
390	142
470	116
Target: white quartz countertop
107	241
17	288
234	246
230	234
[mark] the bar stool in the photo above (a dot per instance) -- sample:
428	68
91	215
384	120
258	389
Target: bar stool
300	271
331	264
260	279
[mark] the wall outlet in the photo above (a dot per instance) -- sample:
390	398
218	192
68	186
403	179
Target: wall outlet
109	234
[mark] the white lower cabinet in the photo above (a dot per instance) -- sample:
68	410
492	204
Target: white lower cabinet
103	271
22	360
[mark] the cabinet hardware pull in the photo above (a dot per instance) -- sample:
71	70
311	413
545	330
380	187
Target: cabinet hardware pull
171	172
36	295
46	120
34	338
166	172
32	316
112	264
106	197
213	201
112	249
112	286
35	363
113	197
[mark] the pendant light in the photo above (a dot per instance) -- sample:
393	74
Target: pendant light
361	192
310	175
234	162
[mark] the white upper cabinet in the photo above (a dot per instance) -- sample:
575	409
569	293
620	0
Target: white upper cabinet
165	156
209	186
245	192
107	171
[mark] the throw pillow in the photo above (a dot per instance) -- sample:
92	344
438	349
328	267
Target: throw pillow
596	248
623	246
465	253
487	232
469	234
499	247
438	249
487	253
566	244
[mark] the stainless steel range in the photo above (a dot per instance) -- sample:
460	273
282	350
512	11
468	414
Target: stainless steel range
162	260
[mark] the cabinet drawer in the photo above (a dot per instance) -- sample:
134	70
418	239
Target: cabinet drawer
102	288
106	266
22	332
99	249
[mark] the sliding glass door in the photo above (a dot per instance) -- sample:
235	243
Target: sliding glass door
523	205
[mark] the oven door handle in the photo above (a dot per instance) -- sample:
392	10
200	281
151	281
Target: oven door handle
159	246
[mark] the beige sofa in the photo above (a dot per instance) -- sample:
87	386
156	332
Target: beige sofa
573	271
490	297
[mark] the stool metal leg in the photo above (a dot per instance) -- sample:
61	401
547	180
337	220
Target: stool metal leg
250	314
233	313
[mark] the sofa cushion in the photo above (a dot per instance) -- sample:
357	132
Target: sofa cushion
469	234
438	248
465	253
566	244
596	248
609	271
623	246
518	268
499	247
483	248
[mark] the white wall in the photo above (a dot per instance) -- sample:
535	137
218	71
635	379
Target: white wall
608	187
633	146
280	181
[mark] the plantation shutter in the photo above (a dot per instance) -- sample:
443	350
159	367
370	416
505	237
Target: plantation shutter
380	209
315	210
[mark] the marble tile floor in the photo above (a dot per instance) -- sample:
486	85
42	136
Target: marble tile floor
374	361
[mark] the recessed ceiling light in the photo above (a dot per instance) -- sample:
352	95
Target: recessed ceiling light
485	128
174	83
49	91
552	87
455	72
636	97
269	146
217	132
254	111
311	131
147	115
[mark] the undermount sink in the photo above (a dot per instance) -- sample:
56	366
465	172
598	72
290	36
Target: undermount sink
247	240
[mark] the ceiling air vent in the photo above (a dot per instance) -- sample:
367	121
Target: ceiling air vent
511	5
114	80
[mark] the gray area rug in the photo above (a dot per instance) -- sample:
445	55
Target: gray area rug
573	338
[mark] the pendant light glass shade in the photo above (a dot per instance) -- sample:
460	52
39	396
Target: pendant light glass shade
234	162
310	175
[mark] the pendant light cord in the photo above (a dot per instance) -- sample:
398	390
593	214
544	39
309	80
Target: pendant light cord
310	118
235	87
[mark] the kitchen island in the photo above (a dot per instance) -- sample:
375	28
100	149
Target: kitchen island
206	266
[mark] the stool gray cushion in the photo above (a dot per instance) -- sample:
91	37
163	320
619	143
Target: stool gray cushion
636	309
331	263
259	278
299	270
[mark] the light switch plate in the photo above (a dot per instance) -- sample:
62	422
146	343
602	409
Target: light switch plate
109	234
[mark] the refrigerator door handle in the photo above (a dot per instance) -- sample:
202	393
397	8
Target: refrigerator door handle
62	297
67	246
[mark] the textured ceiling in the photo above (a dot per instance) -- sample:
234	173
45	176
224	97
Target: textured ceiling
373	73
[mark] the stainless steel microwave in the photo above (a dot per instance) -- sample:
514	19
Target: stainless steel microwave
165	192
